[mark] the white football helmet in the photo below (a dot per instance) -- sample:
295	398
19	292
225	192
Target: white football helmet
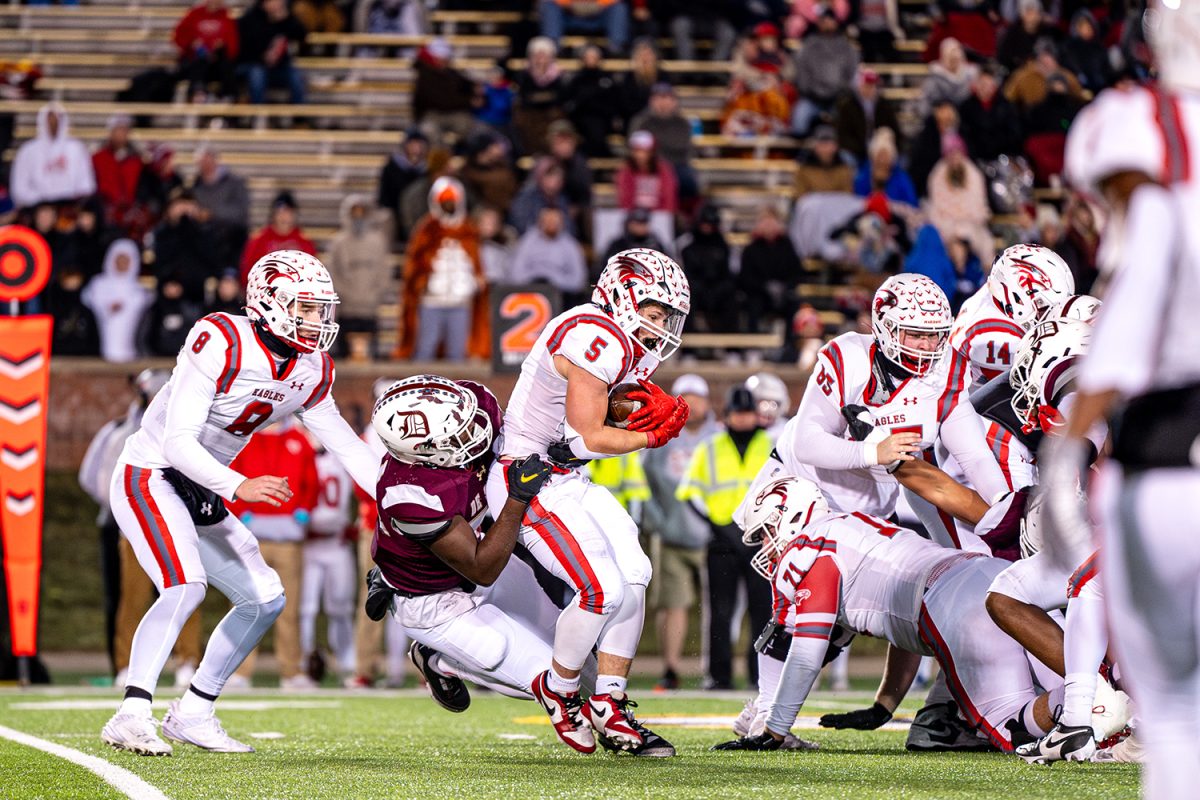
770	395
776	517
1173	31
1045	362
1026	279
635	277
284	287
911	303
431	420
1081	307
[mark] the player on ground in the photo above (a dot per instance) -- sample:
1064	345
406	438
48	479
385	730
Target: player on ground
439	435
574	528
234	375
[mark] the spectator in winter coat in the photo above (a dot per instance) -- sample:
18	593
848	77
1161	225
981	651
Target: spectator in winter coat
118	168
632	91
359	262
267	34
51	167
1084	55
539	95
118	301
672	134
183	246
75	330
591	102
165	326
563	146
825	67
704	255
770	271
496	244
546	253
223	197
280	233
1028	86
488	174
882	172
822	168
610	17
1016	43
406	164
990	124
857	114
228	297
958	203
645	179
950	78
442	96
207	41
499	96
954	268
543	188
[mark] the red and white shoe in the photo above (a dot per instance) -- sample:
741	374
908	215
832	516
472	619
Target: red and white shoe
566	714
610	719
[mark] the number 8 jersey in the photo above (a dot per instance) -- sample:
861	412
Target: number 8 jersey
226	384
589	339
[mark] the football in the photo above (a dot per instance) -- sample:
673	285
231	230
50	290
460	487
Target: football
620	406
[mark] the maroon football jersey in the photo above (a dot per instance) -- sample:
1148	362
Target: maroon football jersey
416	506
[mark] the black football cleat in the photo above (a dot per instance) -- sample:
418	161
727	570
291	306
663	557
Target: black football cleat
449	693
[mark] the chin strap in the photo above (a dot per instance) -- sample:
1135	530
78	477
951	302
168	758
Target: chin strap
888	373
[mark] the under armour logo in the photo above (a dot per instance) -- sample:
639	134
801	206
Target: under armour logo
911	401
297	385
206	508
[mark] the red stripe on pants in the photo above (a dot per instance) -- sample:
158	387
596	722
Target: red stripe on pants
592	600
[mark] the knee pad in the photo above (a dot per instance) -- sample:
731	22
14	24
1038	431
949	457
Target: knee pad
271	609
638	570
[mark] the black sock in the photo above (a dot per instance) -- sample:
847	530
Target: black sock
141	694
212	698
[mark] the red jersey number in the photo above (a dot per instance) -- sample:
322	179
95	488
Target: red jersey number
201	340
825	381
998	357
253	417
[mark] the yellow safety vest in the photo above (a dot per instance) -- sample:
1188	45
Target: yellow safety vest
623	476
719	477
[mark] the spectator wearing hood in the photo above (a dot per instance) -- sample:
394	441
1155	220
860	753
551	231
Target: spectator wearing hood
990	123
118	301
52	166
540	88
949	78
882	172
488	175
443	97
825	67
704	255
207	41
859	113
183	246
958	203
646	179
822	168
590	102
770	271
1084	55
444	299
543	188
1016	44
547	253
672	134
75	330
636	233
267	34
406	164
359	262
282	232
118	166
610	17
165	326
223	197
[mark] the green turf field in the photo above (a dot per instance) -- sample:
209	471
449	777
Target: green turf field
334	744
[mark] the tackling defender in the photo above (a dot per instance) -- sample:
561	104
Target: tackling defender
234	375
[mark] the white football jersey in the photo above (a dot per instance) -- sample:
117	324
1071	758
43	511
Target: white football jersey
331	514
985	337
883	570
587	337
226	384
844	376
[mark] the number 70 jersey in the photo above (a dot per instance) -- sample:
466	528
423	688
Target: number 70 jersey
232	386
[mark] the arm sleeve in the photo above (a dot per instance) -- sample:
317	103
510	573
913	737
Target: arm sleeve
817	436
962	433
1122	355
332	431
816	598
193	387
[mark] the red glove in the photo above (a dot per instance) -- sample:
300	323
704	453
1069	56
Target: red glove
671	426
657	405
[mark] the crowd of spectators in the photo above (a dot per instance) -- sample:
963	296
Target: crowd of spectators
880	183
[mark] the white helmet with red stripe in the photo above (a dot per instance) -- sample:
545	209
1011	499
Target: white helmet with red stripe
911	304
635	279
1028	278
292	294
776	517
1044	365
431	420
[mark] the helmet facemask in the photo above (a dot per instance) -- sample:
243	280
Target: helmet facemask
309	325
663	339
910	358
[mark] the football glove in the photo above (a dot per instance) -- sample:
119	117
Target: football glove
525	477
379	595
858	418
671	426
763	741
863	719
560	453
657	406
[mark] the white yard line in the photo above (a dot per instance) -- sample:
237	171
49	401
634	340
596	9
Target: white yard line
119	778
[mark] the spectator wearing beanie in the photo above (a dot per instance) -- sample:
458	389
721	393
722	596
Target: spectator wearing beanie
645	179
282	232
822	168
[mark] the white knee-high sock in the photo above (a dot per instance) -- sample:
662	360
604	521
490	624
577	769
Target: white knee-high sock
575	635
1085	641
154	639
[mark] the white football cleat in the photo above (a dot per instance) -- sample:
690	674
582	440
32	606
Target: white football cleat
745	721
566	715
1062	743
204	732
298	683
136	734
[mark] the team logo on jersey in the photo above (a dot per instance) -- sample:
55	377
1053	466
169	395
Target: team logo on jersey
911	401
802	595
297	385
205	509
410	424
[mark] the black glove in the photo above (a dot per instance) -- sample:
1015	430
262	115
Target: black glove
379	595
764	741
560	454
859	428
525	477
864	719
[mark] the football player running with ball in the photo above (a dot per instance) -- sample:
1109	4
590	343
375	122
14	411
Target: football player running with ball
233	375
575	529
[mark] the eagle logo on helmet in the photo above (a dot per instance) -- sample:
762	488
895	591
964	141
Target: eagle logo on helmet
410	424
778	489
1030	278
885	300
